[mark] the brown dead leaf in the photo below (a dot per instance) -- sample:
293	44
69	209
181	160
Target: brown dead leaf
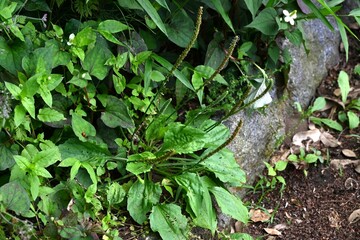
348	153
334	219
313	135
329	140
342	163
337	92
272	231
280	226
354	216
357	169
258	215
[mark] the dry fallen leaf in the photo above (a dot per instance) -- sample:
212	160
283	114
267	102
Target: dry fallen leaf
329	140
354	216
349	153
357	169
342	163
258	215
313	135
280	226
272	231
334	219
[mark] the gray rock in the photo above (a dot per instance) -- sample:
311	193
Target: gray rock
263	132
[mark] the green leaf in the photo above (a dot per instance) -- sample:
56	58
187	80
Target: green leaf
14	197
113	26
50	115
7	157
206	72
82	151
180	29
116	112
183	139
319	104
163	4
34	185
199	200
85	37
353	120
19	115
47	157
151	11
179	75
343	81
295	37
115	194
45	95
225	167
311	158
23	163
220	9
75	169
230	204
281	165
217	135
95	59
11	55
119	83
29	105
13	89
68	162
253	6
40	171
137	164
82	128
157	76
318	14
142	196
271	170
330	123
90	170
265	22
168	220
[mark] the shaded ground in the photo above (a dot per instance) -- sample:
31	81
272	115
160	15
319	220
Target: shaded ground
318	206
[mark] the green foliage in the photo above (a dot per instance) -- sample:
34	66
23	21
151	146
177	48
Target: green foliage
104	123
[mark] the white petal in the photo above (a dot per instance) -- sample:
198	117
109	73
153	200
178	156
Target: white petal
286	13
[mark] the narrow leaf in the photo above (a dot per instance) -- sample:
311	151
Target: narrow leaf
151	11
343	81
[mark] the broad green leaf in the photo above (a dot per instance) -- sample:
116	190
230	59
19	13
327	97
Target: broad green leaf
319	104
82	151
82	128
142	196
156	130
74	170
40	171
197	80
311	158
50	115
180	29
271	170
13	89
68	162
95	59
220	9
29	105
151	11
330	123
23	163
207	72
353	120
112	26
168	220
343	81
230	204
34	185
217	135
163	4
14	197
19	115
12	54
90	193
265	22
199	200
215	53
115	194
225	167
7	157
130	4
295	37
157	76
119	82
280	165
137	164
108	36
90	170
85	37
116	112
253	6
47	157
183	139
45	95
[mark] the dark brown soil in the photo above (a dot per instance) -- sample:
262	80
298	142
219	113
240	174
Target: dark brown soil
317	206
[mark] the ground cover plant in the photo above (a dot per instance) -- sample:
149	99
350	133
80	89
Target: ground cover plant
111	112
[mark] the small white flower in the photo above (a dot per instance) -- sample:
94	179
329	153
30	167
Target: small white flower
71	39
290	17
83	75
